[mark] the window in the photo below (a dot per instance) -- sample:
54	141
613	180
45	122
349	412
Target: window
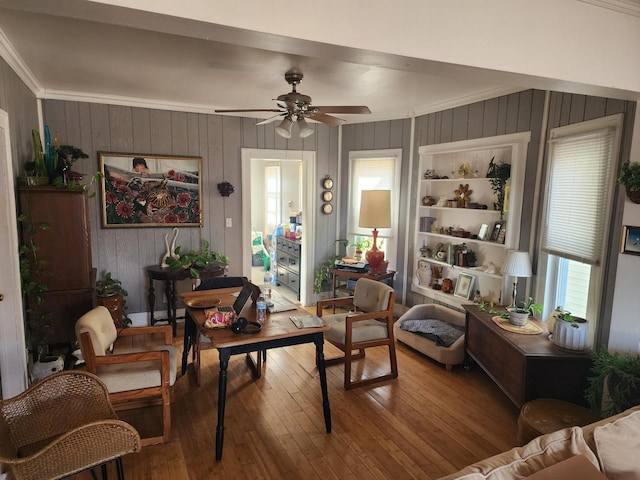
374	170
581	169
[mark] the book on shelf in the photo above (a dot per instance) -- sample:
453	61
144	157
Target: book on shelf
306	321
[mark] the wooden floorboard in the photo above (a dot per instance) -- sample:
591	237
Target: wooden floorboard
427	423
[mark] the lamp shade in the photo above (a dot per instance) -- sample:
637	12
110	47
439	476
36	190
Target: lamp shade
517	264
375	209
284	129
304	130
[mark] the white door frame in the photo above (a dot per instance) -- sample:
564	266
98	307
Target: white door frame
13	349
308	211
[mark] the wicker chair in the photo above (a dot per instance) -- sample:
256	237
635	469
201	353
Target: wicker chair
63	425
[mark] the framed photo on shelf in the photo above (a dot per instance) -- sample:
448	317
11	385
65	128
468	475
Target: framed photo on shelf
148	190
483	233
630	240
495	233
464	285
502	234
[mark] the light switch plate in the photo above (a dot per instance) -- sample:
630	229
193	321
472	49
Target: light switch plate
228	222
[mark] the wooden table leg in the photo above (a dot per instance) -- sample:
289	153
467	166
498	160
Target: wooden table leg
189	338
169	292
319	341
151	299
225	353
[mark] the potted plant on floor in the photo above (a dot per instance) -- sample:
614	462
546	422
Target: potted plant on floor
111	295
630	178
620	373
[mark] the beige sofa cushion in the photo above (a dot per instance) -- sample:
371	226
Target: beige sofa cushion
537	455
574	468
618	447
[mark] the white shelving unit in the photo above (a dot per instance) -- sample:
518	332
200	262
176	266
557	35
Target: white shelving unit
445	160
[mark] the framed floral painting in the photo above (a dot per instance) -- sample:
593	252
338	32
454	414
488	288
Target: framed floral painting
147	190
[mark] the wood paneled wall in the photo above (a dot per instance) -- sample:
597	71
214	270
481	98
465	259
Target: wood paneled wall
22	107
217	139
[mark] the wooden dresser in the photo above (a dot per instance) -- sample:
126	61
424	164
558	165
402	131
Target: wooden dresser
525	367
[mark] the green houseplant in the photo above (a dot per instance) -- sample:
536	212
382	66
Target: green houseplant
498	175
519	315
630	177
197	260
111	294
620	372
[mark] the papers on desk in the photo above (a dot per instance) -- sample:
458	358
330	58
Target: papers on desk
306	321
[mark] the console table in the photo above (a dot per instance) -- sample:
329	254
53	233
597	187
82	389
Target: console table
525	367
349	275
170	277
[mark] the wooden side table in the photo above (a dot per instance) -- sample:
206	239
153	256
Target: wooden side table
348	275
170	277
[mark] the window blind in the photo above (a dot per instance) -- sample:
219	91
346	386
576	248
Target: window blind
369	174
579	179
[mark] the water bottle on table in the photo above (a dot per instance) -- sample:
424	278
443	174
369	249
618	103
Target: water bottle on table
261	310
268	282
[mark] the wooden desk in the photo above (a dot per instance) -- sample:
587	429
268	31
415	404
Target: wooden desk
277	331
170	277
341	273
525	367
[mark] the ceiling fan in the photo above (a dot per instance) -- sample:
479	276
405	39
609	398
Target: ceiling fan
294	106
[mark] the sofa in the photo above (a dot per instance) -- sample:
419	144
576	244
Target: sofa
607	449
429	344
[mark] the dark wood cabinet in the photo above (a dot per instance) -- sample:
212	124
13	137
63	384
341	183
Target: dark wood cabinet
525	367
65	247
288	263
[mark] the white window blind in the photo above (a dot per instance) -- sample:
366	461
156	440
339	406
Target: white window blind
579	182
370	174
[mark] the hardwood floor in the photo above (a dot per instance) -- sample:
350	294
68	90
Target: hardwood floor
426	424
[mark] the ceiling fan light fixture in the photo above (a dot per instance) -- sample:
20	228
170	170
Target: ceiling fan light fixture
303	127
284	129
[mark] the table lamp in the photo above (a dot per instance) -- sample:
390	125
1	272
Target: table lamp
375	211
517	264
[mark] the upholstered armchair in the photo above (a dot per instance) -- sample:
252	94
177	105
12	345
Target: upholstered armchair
60	426
137	372
368	323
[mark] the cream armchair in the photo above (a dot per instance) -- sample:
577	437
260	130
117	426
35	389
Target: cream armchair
369	323
136	373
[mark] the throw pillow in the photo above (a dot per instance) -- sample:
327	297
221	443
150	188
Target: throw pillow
617	446
574	468
536	455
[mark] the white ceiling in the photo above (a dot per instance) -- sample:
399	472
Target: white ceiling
76	49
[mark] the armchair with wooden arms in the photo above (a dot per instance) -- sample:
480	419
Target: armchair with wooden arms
136	373
60	426
369	323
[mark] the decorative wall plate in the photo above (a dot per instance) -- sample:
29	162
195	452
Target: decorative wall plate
327	183
327	196
327	208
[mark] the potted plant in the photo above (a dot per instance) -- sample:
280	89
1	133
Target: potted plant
620	372
111	295
323	275
498	175
519	315
630	178
568	331
198	260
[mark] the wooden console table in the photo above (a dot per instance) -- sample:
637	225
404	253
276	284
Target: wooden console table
348	275
170	277
525	367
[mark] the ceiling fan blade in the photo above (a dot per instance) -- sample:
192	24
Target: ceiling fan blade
249	110
324	118
271	119
343	109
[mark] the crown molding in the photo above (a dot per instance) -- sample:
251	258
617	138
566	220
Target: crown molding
207	109
628	7
14	60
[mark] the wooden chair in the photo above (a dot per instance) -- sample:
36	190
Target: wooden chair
137	373
369	323
61	426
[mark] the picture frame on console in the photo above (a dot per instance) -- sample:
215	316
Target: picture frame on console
149	190
464	285
630	240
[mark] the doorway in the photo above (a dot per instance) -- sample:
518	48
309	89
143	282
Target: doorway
276	185
13	351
